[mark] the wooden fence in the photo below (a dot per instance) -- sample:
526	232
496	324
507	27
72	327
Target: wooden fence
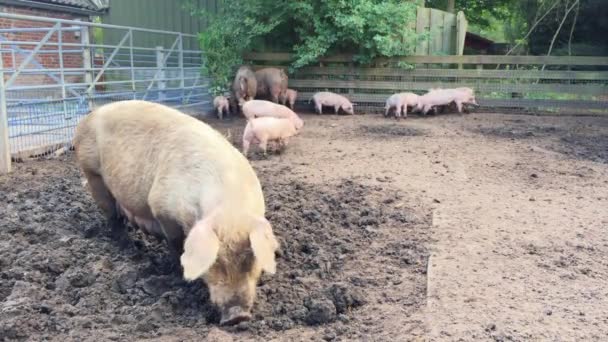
446	32
566	84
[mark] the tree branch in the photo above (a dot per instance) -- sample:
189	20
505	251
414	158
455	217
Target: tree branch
532	28
559	28
578	6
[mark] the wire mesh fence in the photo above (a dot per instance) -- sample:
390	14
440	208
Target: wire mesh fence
529	84
54	72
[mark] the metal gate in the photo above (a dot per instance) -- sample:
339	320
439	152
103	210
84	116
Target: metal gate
53	72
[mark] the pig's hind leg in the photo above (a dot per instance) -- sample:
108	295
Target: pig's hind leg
108	205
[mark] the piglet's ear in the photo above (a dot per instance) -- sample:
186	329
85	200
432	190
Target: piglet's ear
264	244
200	249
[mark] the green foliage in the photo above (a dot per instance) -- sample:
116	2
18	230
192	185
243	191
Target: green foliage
229	34
310	29
478	12
367	28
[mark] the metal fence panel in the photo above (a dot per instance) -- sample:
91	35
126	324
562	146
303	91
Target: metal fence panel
54	75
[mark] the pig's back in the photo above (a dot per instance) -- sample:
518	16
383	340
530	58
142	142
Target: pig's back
144	144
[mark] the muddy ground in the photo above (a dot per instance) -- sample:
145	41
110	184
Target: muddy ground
446	228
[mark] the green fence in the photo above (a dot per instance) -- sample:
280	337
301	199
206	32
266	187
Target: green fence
539	84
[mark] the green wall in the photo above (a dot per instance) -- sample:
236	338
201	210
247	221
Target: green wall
166	15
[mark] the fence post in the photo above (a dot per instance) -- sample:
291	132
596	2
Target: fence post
5	151
180	62
87	62
161	84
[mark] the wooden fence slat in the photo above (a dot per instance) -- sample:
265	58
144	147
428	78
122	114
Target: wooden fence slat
461	32
436	29
449	33
466	59
451	73
583	89
422	26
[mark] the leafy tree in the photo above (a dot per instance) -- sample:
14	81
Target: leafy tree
229	34
477	12
309	28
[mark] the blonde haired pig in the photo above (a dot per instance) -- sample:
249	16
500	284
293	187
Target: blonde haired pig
176	174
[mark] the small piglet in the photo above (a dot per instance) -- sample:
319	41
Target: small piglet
289	98
329	99
400	102
262	108
221	105
265	129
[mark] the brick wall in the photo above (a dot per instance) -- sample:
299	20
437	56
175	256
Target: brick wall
46	59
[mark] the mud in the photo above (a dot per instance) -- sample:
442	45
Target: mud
63	277
390	130
579	141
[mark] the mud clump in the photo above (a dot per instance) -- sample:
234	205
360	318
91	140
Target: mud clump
391	130
63	276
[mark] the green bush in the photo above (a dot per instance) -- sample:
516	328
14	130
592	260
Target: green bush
310	29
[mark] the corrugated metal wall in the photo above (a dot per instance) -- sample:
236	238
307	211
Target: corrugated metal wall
167	15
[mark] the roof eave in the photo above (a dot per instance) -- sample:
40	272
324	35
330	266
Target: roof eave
52	7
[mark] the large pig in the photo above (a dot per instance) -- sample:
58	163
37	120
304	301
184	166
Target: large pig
221	105
181	179
443	97
244	87
265	129
329	99
259	108
400	102
272	84
289	98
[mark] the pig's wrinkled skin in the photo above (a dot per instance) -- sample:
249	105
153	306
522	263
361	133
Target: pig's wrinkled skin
261	108
244	87
177	177
334	100
400	103
272	84
443	97
290	98
221	105
266	129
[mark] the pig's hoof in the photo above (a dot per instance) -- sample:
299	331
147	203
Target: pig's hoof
235	318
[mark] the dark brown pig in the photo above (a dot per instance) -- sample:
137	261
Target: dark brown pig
244	87
176	176
272	84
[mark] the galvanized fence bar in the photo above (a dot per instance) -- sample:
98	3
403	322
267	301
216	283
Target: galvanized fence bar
55	78
5	150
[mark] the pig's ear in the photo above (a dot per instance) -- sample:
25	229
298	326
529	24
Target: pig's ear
264	244
200	250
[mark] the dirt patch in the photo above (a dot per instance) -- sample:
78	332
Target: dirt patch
346	248
518	131
593	148
391	130
580	141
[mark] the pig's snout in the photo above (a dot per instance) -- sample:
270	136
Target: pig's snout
234	315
